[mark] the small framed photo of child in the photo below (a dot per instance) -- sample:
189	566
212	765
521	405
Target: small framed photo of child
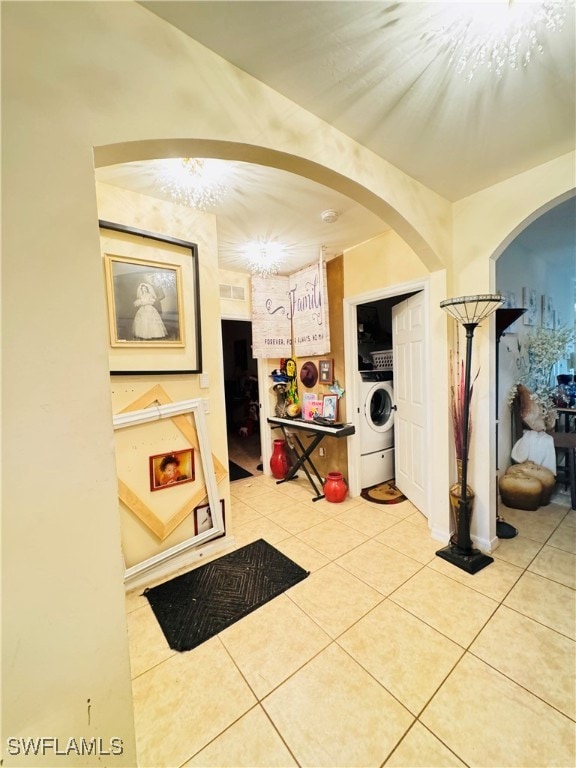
170	469
330	407
326	371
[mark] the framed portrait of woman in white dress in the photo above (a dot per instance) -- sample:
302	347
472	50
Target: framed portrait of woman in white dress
153	301
144	302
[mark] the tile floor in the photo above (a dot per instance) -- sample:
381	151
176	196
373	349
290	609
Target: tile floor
384	656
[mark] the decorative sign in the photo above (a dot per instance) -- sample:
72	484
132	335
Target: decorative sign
310	311
290	311
271	317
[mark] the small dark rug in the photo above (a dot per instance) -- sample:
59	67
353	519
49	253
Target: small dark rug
195	606
237	472
383	493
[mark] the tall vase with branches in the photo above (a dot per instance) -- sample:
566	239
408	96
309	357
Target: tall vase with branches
457	409
457	400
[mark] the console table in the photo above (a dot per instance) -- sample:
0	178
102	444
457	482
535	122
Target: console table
303	454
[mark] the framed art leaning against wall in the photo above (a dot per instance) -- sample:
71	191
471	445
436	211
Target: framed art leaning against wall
153	299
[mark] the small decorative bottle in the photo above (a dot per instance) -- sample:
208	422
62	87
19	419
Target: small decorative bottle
561	393
279	463
335	487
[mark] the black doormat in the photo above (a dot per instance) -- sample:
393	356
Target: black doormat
237	472
195	606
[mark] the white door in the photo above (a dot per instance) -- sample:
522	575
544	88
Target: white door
409	396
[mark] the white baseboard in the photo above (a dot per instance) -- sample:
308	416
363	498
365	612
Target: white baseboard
484	545
441	535
151	570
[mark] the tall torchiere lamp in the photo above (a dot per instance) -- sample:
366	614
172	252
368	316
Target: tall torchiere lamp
470	311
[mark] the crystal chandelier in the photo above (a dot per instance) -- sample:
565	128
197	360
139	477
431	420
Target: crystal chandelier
497	35
263	257
192	181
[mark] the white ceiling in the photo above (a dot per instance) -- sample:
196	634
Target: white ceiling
269	204
378	72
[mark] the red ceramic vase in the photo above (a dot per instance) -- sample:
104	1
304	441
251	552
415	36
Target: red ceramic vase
279	463
335	488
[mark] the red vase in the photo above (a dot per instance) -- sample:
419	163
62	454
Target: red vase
335	487
279	463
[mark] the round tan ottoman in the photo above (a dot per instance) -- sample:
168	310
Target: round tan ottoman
520	490
545	476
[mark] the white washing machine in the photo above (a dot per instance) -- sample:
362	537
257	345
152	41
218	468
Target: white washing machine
377	410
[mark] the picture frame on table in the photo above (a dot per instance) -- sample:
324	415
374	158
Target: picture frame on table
311	406
330	407
168	470
203	518
326	371
153	298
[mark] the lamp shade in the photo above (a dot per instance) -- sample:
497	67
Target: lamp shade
471	310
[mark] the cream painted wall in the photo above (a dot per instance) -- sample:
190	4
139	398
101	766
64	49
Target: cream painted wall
383	261
235	309
163	218
112	81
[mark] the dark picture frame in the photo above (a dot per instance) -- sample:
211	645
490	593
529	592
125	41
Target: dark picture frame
203	518
326	371
172	469
153	295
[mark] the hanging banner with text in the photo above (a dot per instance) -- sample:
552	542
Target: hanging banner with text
271	323
286	307
309	301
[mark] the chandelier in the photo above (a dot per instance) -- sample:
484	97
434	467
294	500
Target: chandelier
497	34
192	181
264	257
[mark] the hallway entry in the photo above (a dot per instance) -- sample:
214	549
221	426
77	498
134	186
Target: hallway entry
241	395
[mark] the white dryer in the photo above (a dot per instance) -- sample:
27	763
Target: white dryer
377	410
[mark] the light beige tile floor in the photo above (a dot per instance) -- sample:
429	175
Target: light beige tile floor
384	656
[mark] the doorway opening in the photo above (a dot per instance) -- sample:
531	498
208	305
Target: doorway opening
242	398
387	362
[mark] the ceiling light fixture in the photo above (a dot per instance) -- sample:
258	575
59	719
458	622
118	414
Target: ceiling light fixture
497	35
264	257
195	182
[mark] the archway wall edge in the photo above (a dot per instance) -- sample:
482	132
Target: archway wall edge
424	224
484	225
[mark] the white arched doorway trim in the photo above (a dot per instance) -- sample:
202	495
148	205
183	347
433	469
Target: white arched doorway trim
551	272
530	219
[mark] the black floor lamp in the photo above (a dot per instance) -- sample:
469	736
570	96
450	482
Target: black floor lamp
470	311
